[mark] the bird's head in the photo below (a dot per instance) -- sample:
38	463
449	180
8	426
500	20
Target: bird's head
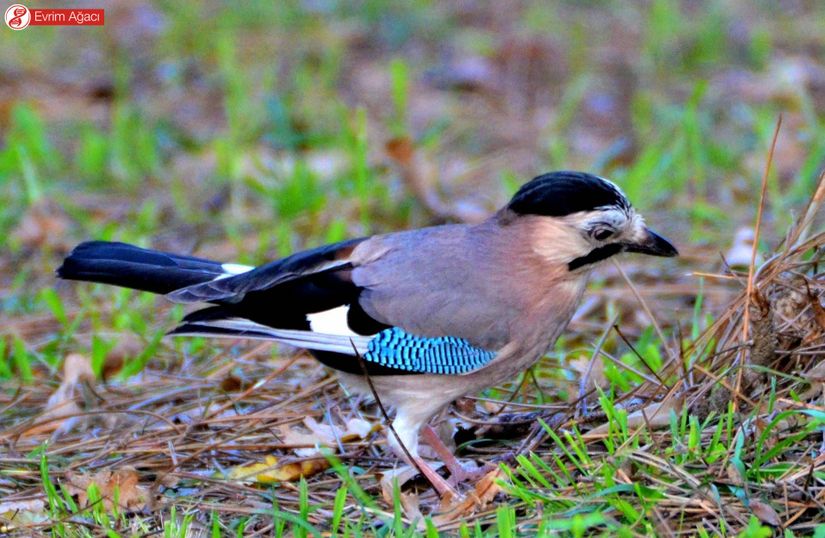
579	219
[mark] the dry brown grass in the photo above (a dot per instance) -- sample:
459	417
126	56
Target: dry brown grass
169	437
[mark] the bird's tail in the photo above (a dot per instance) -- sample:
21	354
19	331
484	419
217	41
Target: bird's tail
138	268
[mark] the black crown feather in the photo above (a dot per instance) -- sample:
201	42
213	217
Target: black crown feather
557	194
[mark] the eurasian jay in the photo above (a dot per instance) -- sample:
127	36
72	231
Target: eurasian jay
429	315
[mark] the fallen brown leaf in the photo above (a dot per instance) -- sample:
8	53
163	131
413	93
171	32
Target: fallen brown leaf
483	494
817	373
16	514
325	435
595	375
401	475
356	428
734	475
64	402
765	513
232	383
128	346
418	175
122	483
819	310
33	505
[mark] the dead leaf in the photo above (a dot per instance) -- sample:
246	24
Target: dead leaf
401	475
595	375
64	402
483	494
76	368
33	505
734	475
465	406
232	383
410	503
656	415
816	377
292	436
269	471
817	373
760	425
16	514
128	346
356	428
765	513
325	435
125	481
819	310
418	175
400	150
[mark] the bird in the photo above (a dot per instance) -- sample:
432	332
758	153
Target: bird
415	318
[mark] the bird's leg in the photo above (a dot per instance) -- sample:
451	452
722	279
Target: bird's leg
403	440
442	486
458	473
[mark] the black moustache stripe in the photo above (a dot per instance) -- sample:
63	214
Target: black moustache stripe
595	255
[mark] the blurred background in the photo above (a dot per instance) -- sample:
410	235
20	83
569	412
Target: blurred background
243	131
270	126
247	131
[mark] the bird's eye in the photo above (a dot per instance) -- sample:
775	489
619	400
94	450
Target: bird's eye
602	234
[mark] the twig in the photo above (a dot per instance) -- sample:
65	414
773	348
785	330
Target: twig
752	265
800	232
514	393
639	355
586	377
645	307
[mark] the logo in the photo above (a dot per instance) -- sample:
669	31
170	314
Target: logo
18	17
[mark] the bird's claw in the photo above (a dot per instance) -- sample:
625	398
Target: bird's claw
462	474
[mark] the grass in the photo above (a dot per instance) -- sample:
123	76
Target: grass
248	133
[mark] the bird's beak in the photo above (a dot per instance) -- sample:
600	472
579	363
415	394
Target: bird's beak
653	244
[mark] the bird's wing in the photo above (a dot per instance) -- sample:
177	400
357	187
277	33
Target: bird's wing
391	351
244	328
398	349
234	288
311	300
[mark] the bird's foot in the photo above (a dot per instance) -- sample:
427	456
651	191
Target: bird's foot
458	472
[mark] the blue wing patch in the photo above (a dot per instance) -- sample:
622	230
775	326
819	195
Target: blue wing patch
395	348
